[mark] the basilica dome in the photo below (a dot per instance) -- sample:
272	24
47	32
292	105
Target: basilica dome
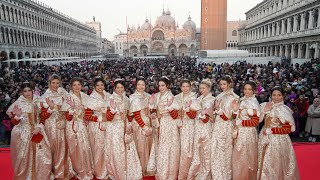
146	26
166	21
189	24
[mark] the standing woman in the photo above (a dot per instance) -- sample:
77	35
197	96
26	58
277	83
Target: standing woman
200	167
188	111
142	130
54	125
76	130
245	150
122	157
169	143
96	115
277	159
222	139
30	149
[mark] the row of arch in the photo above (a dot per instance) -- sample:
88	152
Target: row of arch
158	47
40	22
20	37
4	55
296	50
306	20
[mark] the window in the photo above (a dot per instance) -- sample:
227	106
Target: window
234	33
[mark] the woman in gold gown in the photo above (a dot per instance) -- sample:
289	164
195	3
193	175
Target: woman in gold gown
30	148
200	167
122	156
96	115
222	139
141	123
168	151
76	130
188	108
277	159
245	150
54	124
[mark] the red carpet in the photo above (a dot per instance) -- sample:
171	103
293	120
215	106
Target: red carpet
308	156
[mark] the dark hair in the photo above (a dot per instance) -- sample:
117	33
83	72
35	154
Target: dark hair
185	81
119	82
99	80
26	85
80	80
252	84
277	88
140	78
166	80
227	79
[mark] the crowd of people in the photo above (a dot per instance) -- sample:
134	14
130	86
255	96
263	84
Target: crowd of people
300	82
171	118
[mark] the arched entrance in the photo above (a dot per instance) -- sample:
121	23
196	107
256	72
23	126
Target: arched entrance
39	55
158	47
172	50
143	50
183	50
133	51
12	55
3	56
20	55
27	54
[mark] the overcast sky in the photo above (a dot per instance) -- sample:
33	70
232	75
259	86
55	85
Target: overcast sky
112	13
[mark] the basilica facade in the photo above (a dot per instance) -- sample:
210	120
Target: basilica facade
164	38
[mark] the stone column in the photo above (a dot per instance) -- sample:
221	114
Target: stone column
284	4
289	25
276	51
299	51
295	23
318	24
269	30
316	52
303	21
281	50
283	30
273	29
292	51
307	51
311	19
286	51
278	28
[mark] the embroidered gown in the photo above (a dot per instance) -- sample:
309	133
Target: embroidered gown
54	125
139	109
31	159
222	140
245	150
277	159
96	115
187	115
168	148
122	156
200	167
77	136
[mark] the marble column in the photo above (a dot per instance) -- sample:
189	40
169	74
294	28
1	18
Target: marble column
311	19
303	21
295	23
307	51
289	25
